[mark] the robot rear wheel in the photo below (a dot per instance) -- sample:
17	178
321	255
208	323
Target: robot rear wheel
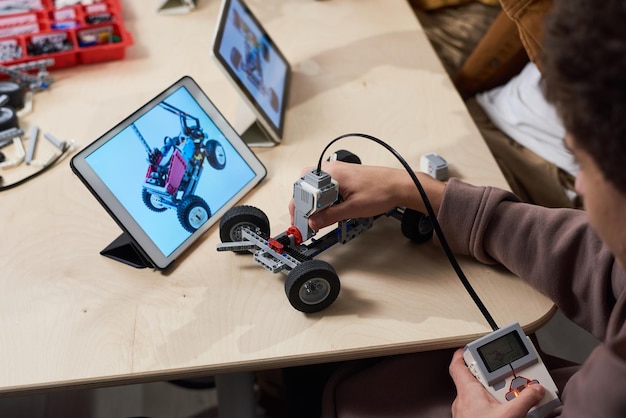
416	226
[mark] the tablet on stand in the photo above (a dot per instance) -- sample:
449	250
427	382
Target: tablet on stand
261	74
167	173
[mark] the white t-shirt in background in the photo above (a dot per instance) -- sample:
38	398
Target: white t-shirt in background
519	109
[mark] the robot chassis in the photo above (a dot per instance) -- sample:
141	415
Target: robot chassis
311	285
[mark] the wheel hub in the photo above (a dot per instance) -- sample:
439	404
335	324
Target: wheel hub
314	291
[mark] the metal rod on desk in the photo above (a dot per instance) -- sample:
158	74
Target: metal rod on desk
235	395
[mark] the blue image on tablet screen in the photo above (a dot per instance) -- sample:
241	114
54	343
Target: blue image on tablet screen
171	169
254	61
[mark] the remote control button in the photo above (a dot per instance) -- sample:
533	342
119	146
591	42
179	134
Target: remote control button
511	395
518	385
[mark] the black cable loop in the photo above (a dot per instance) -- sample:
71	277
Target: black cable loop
39	172
431	214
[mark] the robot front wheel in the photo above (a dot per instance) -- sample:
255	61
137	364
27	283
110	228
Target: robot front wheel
312	286
238	217
152	201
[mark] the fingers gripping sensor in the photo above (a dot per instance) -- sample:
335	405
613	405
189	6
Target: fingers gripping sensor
315	191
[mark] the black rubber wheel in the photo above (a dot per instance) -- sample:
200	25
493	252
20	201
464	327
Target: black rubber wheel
152	202
416	226
312	286
215	154
14	92
193	212
242	216
8	118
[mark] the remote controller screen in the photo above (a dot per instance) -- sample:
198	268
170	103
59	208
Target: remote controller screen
502	351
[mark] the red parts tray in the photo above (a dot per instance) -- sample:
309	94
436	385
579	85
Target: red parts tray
32	30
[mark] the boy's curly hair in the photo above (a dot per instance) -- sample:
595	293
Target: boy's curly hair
584	67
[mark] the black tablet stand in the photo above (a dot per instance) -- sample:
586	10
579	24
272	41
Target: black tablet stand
125	250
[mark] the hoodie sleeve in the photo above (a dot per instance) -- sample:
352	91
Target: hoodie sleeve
554	249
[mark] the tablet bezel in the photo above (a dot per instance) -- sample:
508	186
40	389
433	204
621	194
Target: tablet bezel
120	213
274	131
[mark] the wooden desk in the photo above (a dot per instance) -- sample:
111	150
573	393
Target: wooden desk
72	318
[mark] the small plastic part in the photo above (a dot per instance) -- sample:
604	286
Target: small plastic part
345	156
32	141
59	144
54	155
17	141
7	135
434	165
295	233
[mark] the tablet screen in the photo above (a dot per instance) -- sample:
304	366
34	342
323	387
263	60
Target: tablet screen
168	171
253	62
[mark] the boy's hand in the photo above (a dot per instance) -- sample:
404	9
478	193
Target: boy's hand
474	401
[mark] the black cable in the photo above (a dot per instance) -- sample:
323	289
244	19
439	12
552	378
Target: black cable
45	168
431	214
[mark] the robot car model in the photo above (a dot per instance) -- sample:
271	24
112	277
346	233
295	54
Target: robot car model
256	54
311	285
175	169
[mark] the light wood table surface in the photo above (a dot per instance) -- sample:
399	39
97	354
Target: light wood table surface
72	318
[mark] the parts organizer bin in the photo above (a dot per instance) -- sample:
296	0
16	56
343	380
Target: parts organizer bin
71	35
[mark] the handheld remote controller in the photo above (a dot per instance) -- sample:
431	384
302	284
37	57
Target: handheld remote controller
506	363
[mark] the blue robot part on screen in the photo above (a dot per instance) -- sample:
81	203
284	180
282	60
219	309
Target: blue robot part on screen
175	169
